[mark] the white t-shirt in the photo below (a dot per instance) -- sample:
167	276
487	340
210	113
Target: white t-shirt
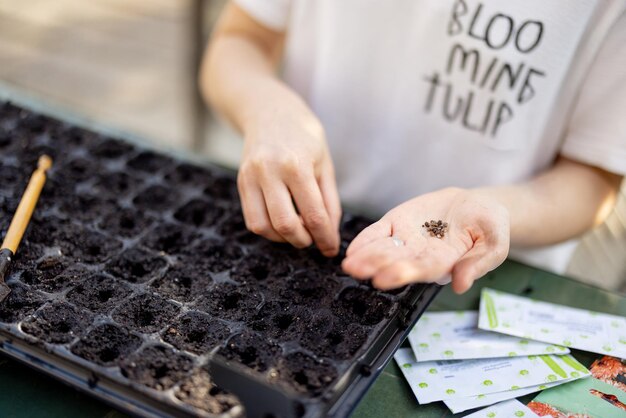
417	95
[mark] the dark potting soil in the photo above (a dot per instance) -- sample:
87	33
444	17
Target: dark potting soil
47	275
20	303
136	265
140	265
106	345
98	293
146	313
57	323
252	350
183	282
157	366
306	373
169	238
230	301
196	332
199	212
125	223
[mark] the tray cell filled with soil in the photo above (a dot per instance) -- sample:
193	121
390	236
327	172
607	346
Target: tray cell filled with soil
137	272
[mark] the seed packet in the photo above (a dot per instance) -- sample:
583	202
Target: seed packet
457	405
512	408
550	323
441	380
455	336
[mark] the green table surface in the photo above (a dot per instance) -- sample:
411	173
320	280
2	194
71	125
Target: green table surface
26	393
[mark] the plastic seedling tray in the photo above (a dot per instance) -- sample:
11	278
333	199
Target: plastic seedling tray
137	281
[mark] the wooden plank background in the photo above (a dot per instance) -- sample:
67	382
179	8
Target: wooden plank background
124	63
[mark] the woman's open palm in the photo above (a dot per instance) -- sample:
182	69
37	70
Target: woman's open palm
398	250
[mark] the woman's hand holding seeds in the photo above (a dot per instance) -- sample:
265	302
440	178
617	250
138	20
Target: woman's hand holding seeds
475	242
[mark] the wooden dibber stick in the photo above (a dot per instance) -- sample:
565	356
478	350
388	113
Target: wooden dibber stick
20	220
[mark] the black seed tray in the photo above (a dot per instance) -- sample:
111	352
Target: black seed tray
137	269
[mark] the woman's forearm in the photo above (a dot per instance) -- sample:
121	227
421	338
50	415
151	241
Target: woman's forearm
238	76
562	203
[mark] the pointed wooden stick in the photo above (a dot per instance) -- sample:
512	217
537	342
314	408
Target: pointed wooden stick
20	220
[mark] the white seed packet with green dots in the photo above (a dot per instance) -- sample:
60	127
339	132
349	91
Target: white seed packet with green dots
512	408
556	324
463	404
452	379
455	336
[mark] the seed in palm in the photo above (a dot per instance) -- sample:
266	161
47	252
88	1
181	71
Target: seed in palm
437	229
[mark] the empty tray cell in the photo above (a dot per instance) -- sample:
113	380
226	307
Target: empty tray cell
213	255
150	162
183	282
281	320
88	208
156	198
106	345
224	188
50	230
227	301
333	337
110	149
306	374
309	288
200	392
136	265
55	192
233	225
72	136
169	238
257	268
116	183
362	305
147	313
45	275
20	303
126	223
79	169
199	212
196	332
57	323
251	350
90	246
157	366
98	292
189	174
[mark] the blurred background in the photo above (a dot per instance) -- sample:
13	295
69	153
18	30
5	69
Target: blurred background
129	67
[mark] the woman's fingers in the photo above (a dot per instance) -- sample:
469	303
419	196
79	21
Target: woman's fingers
376	255
328	187
377	230
308	198
431	264
255	211
477	262
285	221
